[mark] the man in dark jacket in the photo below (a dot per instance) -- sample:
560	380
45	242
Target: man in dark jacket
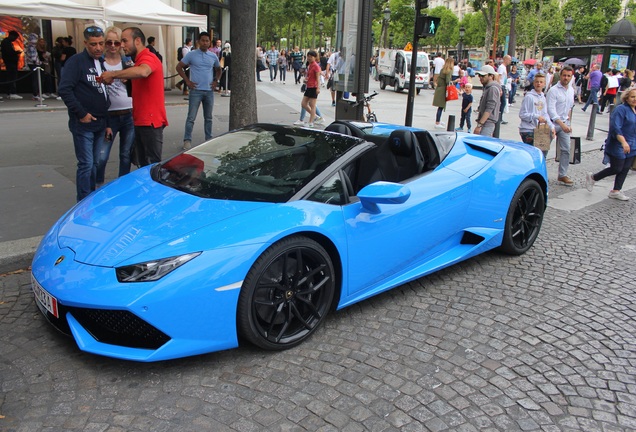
87	101
11	56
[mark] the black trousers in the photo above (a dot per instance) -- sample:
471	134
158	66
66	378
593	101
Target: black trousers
148	144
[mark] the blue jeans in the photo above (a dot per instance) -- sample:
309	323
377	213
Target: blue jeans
303	112
592	98
282	73
205	97
122	125
88	140
273	68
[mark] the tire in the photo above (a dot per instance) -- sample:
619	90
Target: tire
524	218
382	83
396	87
280	309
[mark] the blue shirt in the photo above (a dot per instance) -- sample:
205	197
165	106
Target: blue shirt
202	65
622	122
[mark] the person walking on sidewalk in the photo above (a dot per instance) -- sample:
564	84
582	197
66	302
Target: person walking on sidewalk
310	98
120	119
205	72
560	101
439	97
272	62
594	84
620	146
149	105
488	110
87	102
534	111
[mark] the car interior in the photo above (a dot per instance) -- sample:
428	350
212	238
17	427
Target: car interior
402	156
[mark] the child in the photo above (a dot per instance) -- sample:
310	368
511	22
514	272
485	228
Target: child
467	103
463	80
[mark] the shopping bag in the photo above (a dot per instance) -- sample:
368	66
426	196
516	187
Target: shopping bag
575	151
542	137
451	93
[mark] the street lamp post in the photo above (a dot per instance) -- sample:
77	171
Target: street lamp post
385	25
569	22
512	44
460	50
321	26
391	40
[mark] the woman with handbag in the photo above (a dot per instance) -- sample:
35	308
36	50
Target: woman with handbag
534	112
620	146
439	97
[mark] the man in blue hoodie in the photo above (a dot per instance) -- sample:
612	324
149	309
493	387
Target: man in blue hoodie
87	101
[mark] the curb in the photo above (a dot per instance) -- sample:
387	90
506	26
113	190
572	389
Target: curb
17	254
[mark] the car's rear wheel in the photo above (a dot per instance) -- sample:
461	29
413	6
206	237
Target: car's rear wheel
523	221
382	83
287	294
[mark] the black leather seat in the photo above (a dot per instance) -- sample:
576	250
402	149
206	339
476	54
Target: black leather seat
399	157
339	128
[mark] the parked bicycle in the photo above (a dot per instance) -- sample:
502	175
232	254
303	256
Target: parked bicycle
370	116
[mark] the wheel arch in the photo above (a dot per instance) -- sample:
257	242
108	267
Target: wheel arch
334	254
542	182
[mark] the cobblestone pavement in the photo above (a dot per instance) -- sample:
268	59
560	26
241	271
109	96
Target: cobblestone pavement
541	342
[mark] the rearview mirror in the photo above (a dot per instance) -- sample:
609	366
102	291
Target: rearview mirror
383	193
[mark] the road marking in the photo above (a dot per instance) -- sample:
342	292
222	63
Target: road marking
581	197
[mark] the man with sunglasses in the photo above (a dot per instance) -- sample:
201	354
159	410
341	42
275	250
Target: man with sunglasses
149	107
87	102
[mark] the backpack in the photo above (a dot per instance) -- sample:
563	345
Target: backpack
179	53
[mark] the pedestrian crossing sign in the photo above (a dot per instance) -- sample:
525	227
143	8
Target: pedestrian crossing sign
427	26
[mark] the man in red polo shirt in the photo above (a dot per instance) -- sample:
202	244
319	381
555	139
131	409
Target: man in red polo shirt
149	108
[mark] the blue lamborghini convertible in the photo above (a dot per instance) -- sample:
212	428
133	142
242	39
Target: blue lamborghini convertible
257	234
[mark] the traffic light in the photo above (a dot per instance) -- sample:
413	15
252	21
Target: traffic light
427	26
422	4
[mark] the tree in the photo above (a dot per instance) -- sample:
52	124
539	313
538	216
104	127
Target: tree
592	19
243	35
489	9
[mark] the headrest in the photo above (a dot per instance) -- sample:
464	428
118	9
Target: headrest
339	128
402	142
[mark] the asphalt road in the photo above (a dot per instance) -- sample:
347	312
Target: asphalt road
541	342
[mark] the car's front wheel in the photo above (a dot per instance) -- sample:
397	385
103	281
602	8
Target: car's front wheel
287	294
523	221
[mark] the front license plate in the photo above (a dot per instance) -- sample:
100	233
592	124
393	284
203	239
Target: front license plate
44	299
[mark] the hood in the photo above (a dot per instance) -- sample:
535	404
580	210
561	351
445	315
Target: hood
134	214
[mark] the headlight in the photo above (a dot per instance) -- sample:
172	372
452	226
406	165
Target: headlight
152	270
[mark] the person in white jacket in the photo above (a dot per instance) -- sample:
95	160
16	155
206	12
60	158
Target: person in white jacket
534	110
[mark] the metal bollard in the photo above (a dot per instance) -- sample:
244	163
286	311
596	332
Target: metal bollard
592	124
226	91
450	126
40	102
610	110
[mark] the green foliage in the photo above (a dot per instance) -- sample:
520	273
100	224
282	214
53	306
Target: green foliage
475	26
592	19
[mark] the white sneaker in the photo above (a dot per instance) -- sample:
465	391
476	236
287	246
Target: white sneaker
319	120
589	181
58	98
47	96
440	126
54	95
618	195
310	125
15	97
300	123
37	98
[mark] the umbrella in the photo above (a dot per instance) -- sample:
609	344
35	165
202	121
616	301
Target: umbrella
530	62
575	61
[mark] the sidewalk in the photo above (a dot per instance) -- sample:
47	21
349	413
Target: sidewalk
276	104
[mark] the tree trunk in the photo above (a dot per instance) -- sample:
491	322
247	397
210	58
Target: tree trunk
243	36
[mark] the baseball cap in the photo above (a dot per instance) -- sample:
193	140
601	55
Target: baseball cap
486	70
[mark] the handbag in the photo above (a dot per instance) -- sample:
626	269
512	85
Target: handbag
451	93
575	151
542	137
303	88
261	66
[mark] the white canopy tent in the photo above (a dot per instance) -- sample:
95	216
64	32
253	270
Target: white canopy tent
154	17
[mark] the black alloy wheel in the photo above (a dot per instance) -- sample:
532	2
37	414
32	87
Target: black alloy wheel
523	221
287	294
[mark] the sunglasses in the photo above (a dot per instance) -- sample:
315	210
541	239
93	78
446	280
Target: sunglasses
115	43
94	30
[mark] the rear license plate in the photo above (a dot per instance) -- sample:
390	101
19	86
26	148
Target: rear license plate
44	299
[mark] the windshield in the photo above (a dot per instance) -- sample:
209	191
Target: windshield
422	63
258	163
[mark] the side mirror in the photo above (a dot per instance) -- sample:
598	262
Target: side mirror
383	193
